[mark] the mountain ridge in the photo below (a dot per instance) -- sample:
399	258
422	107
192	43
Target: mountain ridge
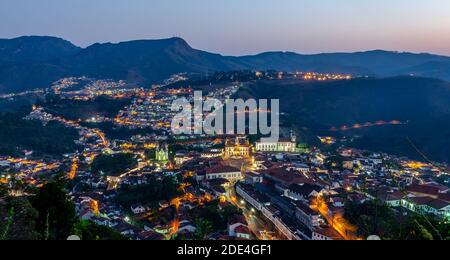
35	48
37	61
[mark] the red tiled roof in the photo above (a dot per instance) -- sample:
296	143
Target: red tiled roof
421	200
222	169
237	219
150	235
442	188
283	175
305	189
444	197
397	195
438	204
423	189
242	230
329	232
252	174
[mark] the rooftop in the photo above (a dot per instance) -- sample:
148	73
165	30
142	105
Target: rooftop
424	189
304	189
222	169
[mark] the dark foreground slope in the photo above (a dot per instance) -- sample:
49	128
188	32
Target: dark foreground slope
417	111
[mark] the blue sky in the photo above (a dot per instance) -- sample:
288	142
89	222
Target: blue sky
237	27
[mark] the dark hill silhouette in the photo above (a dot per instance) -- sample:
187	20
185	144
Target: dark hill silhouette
422	106
146	60
35	49
35	62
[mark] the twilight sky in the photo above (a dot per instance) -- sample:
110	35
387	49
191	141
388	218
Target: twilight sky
237	27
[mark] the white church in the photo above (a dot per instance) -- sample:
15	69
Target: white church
283	145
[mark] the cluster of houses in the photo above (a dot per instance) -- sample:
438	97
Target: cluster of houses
213	176
428	198
283	199
281	189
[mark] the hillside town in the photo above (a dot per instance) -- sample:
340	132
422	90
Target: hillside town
218	187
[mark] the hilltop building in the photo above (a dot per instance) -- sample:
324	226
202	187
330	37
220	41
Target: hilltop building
283	145
238	147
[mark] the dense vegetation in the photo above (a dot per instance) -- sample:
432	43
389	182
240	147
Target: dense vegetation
375	218
17	219
49	215
216	216
150	194
17	134
117	132
74	110
422	105
89	231
57	216
20	105
114	164
211	218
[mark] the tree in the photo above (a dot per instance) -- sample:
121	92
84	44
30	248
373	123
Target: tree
335	162
375	218
56	213
371	218
151	193
90	231
230	210
17	134
211	212
18	219
170	188
420	227
115	164
3	191
203	228
8	221
424	233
